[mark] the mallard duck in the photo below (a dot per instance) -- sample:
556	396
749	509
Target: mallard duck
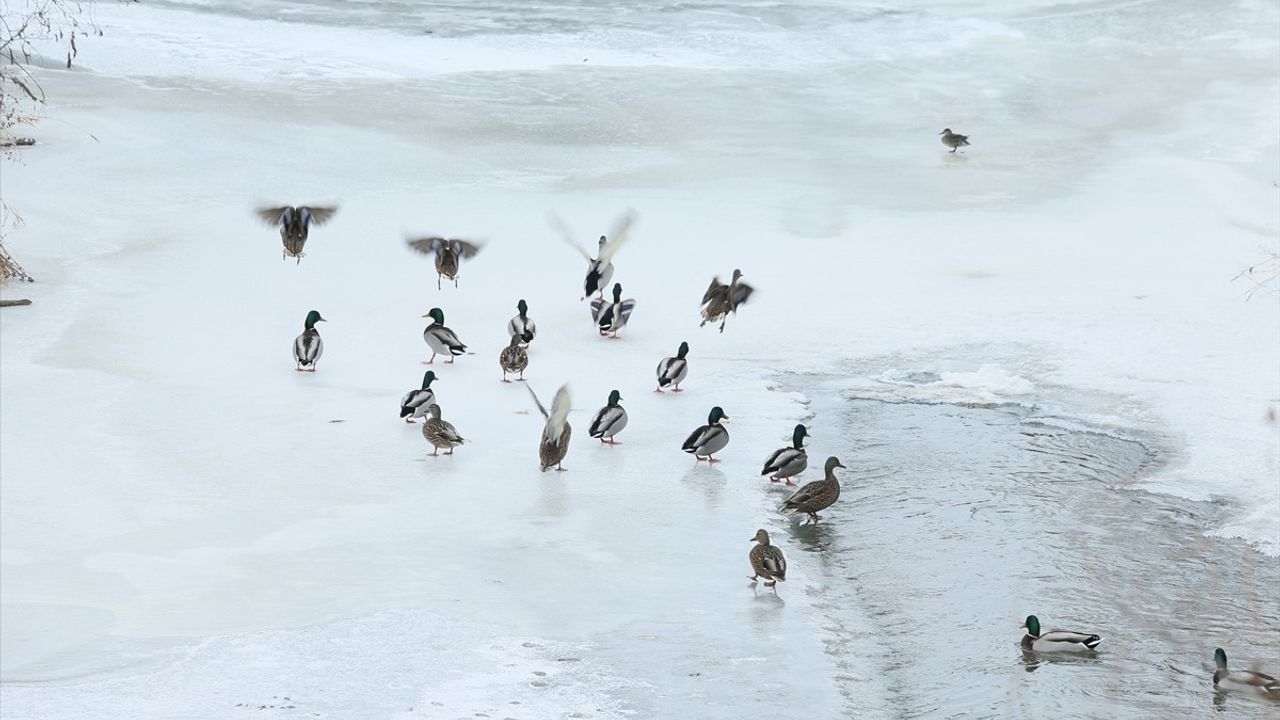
441	339
710	438
513	359
1056	640
439	433
610	421
554	444
448	253
414	404
672	370
719	300
600	267
817	495
611	317
953	140
1250	681
295	223
308	347
767	560
522	325
788	462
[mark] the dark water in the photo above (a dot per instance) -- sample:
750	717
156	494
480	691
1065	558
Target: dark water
959	521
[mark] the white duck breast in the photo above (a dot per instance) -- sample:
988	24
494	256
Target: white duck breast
1064	641
442	340
308	347
786	462
707	440
672	371
415	403
608	422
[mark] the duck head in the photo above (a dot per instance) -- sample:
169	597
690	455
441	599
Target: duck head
313	317
617	292
614	397
603	241
797	437
437	315
1220	658
737	275
428	379
945	131
522	308
833	462
717	416
1033	626
761	537
434	411
684	350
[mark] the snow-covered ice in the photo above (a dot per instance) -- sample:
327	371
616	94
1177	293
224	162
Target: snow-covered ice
192	529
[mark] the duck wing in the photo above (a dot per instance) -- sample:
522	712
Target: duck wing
537	402
806	494
597	308
465	248
778	460
619	236
567	235
774	562
427	245
274	215
558	416
318	214
716	288
696	439
741	292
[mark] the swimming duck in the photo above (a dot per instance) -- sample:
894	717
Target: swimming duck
295	223
1250	681
1056	640
672	370
414	404
611	317
788	462
610	421
308	347
440	433
710	438
441	339
513	359
522	324
952	140
719	300
554	444
817	495
448	253
767	560
600	267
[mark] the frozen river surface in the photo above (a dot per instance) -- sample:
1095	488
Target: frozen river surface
1050	396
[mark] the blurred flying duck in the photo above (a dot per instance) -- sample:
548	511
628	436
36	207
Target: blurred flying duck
448	253
295	223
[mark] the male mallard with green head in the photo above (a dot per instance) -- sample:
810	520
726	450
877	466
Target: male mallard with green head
785	463
766	560
709	438
1056	640
719	300
610	421
441	339
611	317
600	267
522	325
439	433
1247	681
955	141
308	347
448	254
817	495
513	359
673	370
295	224
415	402
554	444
